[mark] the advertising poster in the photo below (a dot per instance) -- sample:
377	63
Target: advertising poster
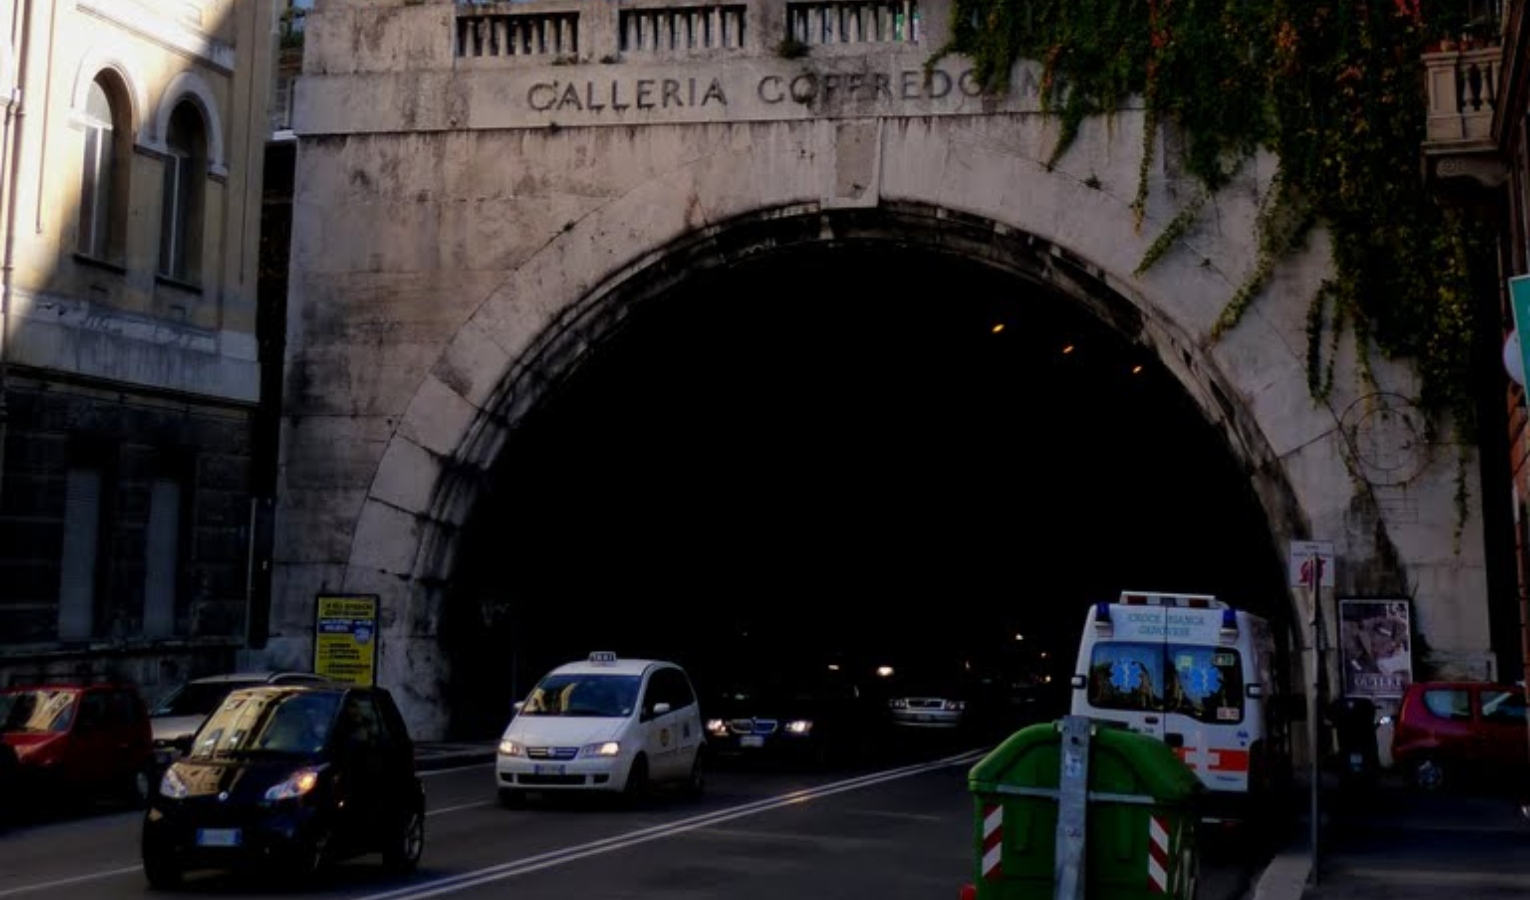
1376	647
345	637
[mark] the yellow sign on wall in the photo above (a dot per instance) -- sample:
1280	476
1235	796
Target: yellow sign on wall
345	637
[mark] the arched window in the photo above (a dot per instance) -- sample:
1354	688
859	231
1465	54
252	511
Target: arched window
180	240
103	181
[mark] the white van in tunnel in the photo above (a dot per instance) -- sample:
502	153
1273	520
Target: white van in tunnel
1195	673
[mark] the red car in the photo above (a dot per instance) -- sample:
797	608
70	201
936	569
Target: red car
1449	731
82	741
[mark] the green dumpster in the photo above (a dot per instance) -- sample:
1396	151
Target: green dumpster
1076	810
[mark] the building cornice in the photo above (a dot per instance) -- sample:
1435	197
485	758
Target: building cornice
138	19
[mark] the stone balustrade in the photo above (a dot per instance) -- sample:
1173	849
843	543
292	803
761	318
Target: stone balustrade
1463	91
567	31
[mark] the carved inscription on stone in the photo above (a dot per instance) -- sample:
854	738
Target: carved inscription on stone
807	89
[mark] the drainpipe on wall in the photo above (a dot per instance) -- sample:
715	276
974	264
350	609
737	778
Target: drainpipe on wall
10	164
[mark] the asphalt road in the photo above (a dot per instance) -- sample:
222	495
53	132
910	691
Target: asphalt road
902	830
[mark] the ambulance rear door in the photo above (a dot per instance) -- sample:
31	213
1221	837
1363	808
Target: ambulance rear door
1122	658
1205	713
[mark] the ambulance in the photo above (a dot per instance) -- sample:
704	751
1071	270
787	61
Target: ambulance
1197	674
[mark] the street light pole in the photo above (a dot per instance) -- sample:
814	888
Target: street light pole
1314	702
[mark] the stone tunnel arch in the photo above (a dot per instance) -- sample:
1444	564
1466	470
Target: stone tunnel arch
567	335
582	328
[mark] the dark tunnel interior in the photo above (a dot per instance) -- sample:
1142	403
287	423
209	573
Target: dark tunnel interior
877	454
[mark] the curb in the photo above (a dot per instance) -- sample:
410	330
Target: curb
1285	878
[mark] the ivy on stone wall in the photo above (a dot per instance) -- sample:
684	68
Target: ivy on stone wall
1334	89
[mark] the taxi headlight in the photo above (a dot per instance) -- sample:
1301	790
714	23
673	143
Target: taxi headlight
298	784
799	726
604	748
171	785
508	747
956	705
717	726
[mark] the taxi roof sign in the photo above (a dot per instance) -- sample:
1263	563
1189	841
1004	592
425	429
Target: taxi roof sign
602	657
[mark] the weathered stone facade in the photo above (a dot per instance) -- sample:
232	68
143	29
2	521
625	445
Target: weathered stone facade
485	190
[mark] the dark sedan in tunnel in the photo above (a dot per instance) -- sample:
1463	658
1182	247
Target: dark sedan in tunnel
815	714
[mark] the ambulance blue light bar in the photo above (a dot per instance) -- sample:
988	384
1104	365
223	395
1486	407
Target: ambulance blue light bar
1102	623
1184	601
1229	630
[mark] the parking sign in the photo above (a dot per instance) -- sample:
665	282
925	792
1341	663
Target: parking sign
1300	564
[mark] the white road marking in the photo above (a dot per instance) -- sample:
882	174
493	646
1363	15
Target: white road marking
459	807
490	874
501	871
431	773
65	882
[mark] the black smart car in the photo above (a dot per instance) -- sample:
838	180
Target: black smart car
295	776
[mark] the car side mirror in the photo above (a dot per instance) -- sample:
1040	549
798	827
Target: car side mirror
660	708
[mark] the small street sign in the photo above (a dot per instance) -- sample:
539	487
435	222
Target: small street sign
1519	306
1300	563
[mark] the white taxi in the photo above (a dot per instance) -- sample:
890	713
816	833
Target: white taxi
603	724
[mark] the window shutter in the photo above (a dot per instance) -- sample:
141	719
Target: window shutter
77	580
161	559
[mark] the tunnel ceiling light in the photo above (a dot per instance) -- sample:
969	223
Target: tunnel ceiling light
1137	369
1068	349
998	327
1019	637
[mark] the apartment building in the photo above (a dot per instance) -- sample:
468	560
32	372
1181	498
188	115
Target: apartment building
131	165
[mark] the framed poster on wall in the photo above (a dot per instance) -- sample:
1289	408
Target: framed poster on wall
1376	647
345	637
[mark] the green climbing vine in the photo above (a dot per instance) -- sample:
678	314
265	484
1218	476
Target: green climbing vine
1334	90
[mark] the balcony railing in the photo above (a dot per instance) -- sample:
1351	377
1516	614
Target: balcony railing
543	34
854	22
683	29
1463	92
564	33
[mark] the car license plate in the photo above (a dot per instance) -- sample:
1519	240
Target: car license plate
217	837
544	769
751	740
921	718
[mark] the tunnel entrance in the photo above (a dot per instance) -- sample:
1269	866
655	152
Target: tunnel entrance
879	453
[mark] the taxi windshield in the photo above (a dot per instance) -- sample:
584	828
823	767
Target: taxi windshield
591	695
1202	682
276	723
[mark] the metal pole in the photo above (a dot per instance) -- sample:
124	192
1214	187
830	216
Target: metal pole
1314	704
15	114
1071	838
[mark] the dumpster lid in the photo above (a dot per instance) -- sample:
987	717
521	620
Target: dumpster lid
1120	761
